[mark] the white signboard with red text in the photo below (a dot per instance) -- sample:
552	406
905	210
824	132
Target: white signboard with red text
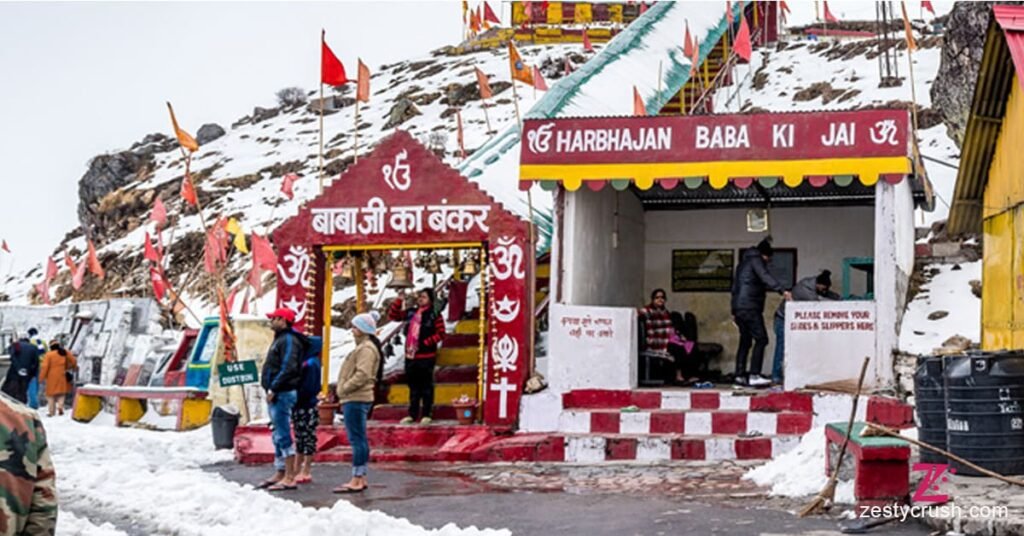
827	341
592	347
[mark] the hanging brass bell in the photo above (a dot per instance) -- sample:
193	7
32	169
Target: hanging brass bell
382	263
433	266
401	277
346	268
470	268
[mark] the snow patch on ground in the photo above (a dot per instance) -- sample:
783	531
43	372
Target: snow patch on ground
156	478
801	471
69	524
948	291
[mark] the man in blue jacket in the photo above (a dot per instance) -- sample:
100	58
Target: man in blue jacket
281	378
24	367
752	282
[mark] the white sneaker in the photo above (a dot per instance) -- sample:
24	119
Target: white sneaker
740	381
757	380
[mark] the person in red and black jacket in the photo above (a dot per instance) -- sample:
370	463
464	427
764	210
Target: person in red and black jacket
424	332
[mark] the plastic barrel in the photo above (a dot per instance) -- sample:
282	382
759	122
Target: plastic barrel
930	411
985	411
223	421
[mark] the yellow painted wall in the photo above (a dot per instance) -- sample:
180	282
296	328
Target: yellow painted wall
1005	188
1002	296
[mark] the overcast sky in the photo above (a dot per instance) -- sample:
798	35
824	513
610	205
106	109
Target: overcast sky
80	79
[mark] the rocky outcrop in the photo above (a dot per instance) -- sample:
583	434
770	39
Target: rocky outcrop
953	88
208	133
106	174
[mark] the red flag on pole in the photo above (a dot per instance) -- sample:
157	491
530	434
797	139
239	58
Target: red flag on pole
69	263
79	277
149	252
287	183
911	44
485	86
638	103
51	269
783	10
587	46
188	191
459	136
245	303
695	59
742	45
332	72
263	253
688	42
728	12
925	4
4	247
43	289
538	80
159	213
829	17
156	278
94	262
489	15
363	83
568	66
255	279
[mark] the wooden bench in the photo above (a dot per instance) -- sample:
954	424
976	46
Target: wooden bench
193	407
881	465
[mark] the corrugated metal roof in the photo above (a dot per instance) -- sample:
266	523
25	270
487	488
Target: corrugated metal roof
995	79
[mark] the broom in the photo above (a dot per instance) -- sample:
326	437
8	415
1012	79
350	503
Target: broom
828	493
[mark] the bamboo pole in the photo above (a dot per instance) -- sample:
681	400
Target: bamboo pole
357	273
954	457
532	251
481	333
321	155
325	351
355	132
486	117
515	99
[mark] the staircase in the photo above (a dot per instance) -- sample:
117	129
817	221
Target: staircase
709	72
456	375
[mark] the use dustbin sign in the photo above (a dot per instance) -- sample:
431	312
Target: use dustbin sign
224	419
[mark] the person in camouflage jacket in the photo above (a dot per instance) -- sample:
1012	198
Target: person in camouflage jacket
28	491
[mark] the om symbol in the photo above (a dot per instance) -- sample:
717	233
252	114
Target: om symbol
508	259
297	261
884	132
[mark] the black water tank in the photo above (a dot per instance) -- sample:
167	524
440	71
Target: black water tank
930	401
985	411
223	421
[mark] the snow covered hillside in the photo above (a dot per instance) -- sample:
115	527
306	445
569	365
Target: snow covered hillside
240	173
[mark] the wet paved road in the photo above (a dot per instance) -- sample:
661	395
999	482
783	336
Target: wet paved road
433	496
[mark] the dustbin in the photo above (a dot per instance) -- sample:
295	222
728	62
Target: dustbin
223	422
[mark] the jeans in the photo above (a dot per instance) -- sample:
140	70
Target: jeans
355	427
281	421
419	373
33	393
780	348
751	324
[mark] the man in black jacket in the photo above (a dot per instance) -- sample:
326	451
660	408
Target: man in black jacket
281	377
24	367
752	282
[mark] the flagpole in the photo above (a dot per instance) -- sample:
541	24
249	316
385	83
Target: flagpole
355	131
323	37
515	99
486	118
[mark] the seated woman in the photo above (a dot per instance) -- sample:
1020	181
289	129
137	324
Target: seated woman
682	346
